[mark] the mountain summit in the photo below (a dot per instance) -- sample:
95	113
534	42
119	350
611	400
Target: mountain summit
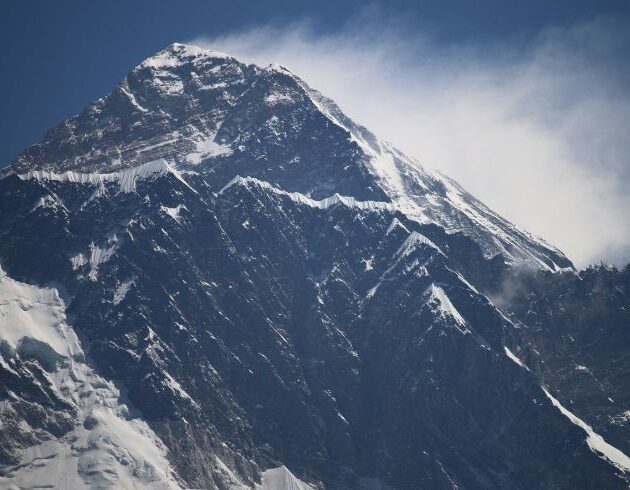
213	278
206	112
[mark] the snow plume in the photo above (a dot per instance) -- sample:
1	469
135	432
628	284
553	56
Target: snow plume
536	129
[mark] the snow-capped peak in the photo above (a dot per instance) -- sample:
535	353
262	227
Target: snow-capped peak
177	54
197	108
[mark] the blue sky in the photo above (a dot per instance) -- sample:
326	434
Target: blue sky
526	103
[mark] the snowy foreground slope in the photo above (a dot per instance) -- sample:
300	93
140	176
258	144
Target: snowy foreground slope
212	278
105	444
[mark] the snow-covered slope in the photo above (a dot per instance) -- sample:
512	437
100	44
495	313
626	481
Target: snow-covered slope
281	479
106	447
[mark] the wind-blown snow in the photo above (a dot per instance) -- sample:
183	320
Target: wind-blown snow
381	156
399	175
385	166
402	177
596	442
106	448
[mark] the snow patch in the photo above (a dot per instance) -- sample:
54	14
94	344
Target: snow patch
281	479
413	240
368	263
513	357
276	98
437	299
174	212
36	313
395	224
45	202
99	256
176	388
595	442
207	148
78	261
121	291
132	99
177	54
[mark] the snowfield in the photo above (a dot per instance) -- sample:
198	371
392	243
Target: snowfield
108	448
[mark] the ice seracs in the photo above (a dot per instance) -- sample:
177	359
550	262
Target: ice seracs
300	198
107	448
126	179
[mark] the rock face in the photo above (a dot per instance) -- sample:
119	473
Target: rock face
278	299
573	334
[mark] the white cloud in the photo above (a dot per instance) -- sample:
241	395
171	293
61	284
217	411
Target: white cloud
541	133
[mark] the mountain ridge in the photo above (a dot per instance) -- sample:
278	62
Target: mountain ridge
385	172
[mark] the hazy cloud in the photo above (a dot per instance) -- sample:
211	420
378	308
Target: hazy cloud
539	130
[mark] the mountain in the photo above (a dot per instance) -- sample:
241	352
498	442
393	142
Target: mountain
213	278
